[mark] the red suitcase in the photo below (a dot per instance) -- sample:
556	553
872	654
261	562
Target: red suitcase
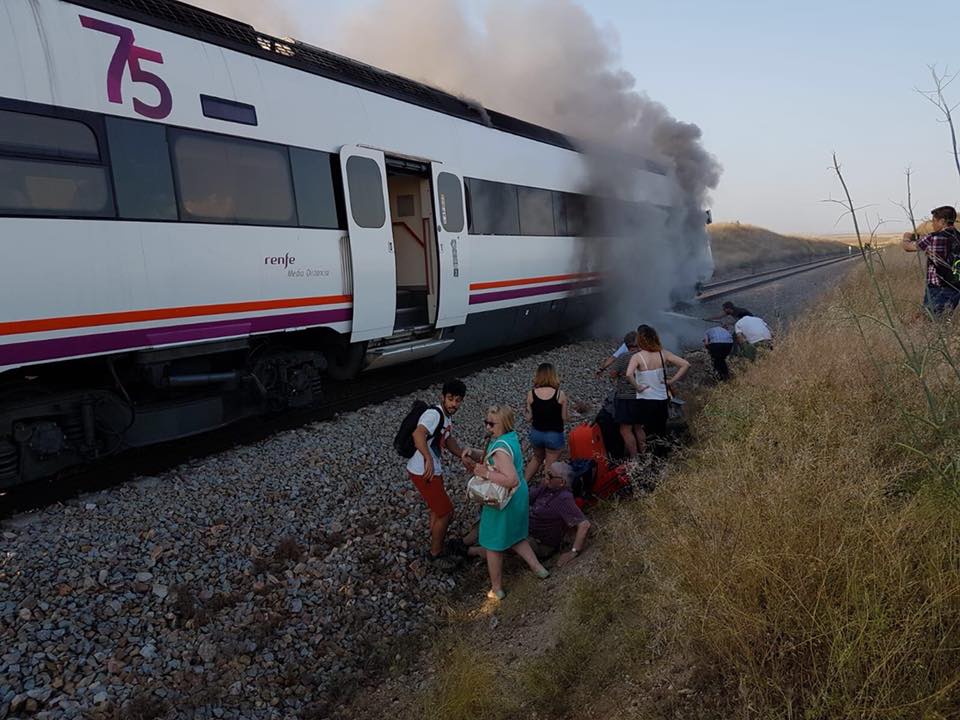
586	443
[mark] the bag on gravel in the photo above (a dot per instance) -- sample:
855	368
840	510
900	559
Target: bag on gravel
403	441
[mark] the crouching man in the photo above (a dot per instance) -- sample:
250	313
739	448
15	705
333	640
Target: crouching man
554	514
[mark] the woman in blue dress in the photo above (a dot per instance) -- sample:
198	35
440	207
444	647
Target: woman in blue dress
506	529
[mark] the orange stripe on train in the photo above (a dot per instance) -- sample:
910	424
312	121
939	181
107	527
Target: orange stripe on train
18	327
531	281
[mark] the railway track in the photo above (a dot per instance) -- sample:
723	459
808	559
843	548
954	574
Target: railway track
720	288
340	397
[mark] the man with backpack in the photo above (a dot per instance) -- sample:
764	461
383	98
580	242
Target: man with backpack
423	435
942	248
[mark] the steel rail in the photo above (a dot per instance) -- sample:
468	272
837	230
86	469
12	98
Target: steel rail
745	282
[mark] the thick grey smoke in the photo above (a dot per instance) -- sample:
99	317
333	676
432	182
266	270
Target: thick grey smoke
548	62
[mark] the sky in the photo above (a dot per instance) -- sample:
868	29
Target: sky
776	88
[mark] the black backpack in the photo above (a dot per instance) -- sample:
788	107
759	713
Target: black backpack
584	474
403	441
949	270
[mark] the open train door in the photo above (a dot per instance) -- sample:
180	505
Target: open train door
372	263
451	224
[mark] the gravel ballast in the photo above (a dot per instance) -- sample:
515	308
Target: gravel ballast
268	581
263	582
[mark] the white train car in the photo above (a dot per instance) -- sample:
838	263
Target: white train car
198	221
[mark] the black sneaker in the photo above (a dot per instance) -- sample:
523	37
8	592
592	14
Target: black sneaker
457	547
444	563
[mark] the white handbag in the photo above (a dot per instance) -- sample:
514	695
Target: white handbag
490	493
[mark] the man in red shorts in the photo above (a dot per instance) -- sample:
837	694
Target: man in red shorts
432	435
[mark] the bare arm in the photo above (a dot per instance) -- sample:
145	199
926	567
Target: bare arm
420	442
605	364
528	410
631	374
453	446
678	362
564	406
578	543
502	472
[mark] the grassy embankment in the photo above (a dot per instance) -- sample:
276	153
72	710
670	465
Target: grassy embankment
800	560
744	247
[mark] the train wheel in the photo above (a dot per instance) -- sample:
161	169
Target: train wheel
344	359
9	463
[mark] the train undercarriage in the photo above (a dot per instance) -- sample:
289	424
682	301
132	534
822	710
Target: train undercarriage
69	414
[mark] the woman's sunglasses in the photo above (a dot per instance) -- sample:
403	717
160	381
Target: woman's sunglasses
489	423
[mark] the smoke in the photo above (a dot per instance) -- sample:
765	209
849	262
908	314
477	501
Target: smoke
264	15
548	62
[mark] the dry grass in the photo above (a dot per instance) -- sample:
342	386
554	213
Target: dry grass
737	246
803	559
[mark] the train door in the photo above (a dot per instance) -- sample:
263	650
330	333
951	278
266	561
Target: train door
451	224
411	213
372	256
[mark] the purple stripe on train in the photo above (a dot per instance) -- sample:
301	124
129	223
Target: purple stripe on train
56	348
529	291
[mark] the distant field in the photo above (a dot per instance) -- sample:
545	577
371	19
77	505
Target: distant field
747	247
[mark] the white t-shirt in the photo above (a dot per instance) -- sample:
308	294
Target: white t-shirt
430	419
753	329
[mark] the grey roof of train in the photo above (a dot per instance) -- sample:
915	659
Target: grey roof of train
220	30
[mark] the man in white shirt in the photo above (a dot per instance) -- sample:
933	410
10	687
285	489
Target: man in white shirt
752	333
425	466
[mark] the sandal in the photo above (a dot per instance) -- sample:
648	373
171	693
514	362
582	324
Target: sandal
498	595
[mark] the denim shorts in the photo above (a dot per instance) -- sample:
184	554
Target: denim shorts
550	440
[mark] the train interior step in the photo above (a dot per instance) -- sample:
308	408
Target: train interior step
412	310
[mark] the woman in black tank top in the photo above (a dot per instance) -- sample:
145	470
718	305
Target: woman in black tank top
546	412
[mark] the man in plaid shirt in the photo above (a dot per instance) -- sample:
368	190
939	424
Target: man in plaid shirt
943	289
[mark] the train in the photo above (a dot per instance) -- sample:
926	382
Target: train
200	222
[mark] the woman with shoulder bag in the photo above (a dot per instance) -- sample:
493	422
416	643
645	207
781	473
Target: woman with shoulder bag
647	372
507	528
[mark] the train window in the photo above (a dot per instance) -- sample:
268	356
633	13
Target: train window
560	213
43	187
232	180
366	192
493	208
142	178
29	134
576	212
536	211
222	109
451	202
316	180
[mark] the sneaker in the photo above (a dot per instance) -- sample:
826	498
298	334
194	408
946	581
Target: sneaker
457	547
444	563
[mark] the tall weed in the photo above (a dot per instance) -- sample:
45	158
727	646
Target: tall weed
811	541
